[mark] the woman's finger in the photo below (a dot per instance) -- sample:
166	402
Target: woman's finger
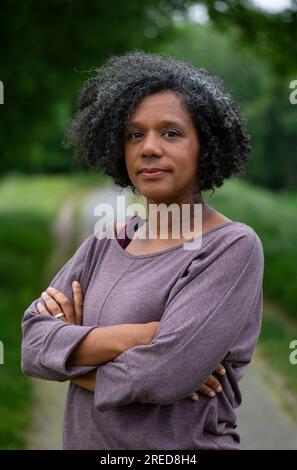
194	396
58	302
220	369
78	302
213	383
50	304
41	308
206	391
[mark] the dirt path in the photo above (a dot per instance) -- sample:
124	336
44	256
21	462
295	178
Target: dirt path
263	422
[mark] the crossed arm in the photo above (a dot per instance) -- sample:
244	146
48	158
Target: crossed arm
106	343
180	355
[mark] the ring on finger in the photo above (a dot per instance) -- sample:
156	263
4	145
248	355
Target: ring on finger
59	315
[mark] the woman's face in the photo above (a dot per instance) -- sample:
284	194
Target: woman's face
161	134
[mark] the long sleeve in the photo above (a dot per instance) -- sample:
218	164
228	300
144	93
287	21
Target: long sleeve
47	341
207	310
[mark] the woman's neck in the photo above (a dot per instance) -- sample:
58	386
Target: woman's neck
171	219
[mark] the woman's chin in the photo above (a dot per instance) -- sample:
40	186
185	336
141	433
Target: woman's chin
157	197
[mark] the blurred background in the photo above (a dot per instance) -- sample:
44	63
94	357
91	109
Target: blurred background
48	49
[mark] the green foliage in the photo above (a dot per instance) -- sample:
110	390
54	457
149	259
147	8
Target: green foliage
48	49
275	338
272	36
276	224
25	243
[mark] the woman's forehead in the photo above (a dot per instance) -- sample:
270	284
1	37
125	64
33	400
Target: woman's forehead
166	108
170	97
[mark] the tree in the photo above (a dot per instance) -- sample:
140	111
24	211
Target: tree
47	51
273	36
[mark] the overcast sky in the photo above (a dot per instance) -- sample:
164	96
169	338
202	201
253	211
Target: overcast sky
272	5
199	12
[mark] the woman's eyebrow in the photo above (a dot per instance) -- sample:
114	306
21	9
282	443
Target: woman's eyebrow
164	122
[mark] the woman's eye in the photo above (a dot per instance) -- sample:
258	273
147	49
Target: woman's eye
133	134
173	133
137	135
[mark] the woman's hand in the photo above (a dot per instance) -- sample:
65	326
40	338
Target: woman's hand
86	381
56	302
211	386
147	331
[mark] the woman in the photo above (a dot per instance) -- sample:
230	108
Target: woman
148	321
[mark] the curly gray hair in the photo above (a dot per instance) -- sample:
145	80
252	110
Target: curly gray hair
109	98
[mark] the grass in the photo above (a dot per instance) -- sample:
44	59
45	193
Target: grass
274	219
42	194
28	206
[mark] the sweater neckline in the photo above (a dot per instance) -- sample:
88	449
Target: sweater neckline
167	250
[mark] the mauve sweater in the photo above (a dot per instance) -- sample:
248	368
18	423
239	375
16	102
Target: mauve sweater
209	303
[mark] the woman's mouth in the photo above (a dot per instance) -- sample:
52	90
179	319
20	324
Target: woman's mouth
153	174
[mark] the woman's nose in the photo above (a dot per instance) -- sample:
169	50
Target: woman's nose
151	146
